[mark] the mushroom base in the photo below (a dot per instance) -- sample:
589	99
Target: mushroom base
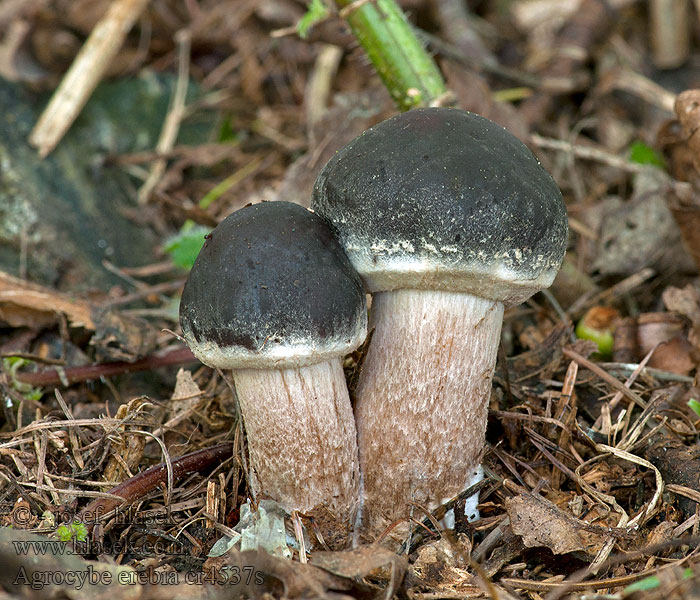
302	443
422	400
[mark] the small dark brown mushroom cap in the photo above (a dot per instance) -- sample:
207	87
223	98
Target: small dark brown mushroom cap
272	288
444	199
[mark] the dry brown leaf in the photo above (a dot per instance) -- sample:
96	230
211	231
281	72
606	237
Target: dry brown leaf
674	356
360	562
20	517
541	523
443	565
185	394
685	206
687	215
185	386
117	336
283	578
662	533
641	232
121	337
687	110
685	301
667	333
25	304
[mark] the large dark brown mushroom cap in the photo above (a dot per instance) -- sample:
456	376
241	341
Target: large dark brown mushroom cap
272	288
441	198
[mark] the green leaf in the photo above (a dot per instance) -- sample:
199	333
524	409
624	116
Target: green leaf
642	154
34	394
64	533
184	246
315	12
75	531
694	405
80	531
643	585
227	134
650	583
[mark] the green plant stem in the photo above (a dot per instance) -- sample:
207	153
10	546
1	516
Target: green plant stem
407	70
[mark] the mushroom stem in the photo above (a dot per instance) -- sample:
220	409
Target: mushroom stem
422	399
302	442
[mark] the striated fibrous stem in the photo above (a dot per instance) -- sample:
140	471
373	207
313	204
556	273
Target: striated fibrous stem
302	442
422	399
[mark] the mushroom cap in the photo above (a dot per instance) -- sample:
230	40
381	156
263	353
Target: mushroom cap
272	289
441	198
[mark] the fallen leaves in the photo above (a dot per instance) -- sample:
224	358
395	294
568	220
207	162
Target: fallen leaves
332	575
444	566
115	336
687	110
684	144
365	561
25	304
641	232
686	301
541	524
